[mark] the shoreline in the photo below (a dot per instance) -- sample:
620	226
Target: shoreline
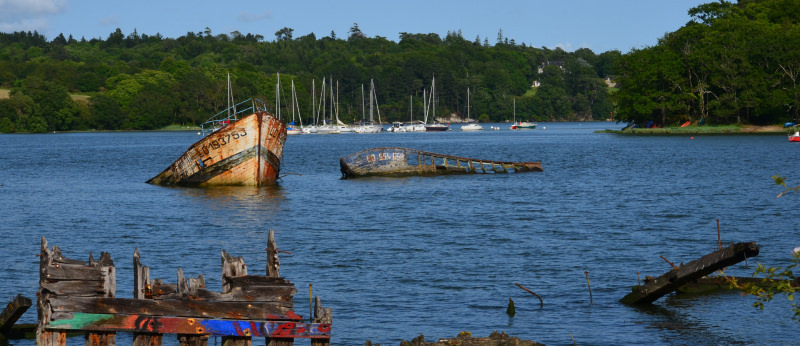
703	130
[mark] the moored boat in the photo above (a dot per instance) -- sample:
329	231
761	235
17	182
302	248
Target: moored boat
523	125
246	150
436	127
395	161
795	137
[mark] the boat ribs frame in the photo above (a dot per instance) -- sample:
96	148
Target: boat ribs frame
396	161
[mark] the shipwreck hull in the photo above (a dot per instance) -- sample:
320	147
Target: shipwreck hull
245	152
398	162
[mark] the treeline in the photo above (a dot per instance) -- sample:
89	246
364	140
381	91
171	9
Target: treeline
733	63
139	81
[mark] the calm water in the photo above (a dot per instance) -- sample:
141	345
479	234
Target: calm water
396	258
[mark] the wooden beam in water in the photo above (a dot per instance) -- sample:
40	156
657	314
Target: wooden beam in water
13	312
672	280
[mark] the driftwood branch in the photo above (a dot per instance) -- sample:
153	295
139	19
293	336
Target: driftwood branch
541	302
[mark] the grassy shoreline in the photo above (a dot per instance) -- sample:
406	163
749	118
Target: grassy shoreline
703	130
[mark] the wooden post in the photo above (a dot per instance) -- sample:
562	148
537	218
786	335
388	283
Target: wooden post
143	289
44	337
321	315
273	262
274	271
233	267
109	291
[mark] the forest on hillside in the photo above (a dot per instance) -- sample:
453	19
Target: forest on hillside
732	63
139	81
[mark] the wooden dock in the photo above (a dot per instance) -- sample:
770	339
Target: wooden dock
656	288
77	296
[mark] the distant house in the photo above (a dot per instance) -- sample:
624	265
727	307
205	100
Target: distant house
559	63
610	83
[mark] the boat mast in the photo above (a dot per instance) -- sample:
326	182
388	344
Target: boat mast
377	108
278	97
371	98
363	108
515	110
313	101
231	105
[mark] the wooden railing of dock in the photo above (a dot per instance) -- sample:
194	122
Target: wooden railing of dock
76	296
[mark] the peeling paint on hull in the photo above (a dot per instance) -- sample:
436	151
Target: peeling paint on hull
245	152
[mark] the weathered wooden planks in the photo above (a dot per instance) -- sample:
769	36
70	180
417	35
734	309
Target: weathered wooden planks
80	296
672	280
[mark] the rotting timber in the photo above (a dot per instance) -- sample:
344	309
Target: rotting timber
241	151
398	162
76	296
656	288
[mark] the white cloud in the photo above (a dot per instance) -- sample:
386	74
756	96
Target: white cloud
251	17
35	24
28	15
30	8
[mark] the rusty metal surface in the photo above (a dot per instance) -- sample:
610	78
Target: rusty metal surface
246	152
396	161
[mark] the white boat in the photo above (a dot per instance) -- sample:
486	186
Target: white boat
397	127
370	126
471	126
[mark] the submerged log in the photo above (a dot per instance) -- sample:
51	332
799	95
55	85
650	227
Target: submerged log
685	273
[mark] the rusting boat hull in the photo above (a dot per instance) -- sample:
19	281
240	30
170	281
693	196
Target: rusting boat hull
394	161
248	152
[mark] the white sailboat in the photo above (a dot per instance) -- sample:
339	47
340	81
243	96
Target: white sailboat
340	126
435	126
325	128
312	128
471	126
292	128
370	126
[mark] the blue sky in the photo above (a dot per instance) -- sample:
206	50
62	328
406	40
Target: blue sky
599	25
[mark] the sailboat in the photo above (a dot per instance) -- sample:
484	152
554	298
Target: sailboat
522	125
245	148
291	128
470	126
370	126
340	126
435	126
325	128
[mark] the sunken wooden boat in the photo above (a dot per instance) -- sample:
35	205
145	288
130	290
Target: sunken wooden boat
394	161
242	147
